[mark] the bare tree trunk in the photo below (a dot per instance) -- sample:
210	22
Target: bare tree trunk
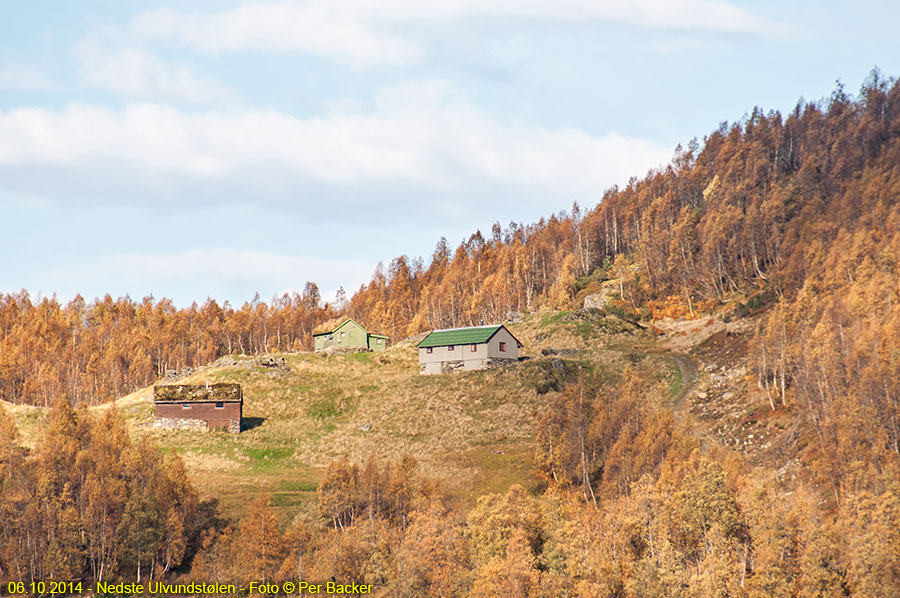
690	304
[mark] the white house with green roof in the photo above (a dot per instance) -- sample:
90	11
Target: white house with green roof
473	348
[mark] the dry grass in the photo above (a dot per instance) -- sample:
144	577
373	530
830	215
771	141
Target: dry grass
473	430
357	405
28	419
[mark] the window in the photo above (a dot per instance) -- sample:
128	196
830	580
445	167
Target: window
381	340
220	405
331	337
185	405
343	333
503	346
450	347
429	350
474	348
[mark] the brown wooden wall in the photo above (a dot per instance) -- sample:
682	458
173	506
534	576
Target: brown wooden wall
215	417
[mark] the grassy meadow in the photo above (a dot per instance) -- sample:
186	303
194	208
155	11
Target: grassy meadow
472	431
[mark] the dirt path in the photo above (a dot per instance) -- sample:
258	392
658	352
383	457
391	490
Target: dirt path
688	371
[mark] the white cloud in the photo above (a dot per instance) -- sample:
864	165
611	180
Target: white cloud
319	28
365	32
708	15
22	78
417	137
138	74
195	274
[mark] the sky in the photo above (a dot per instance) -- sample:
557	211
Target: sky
196	150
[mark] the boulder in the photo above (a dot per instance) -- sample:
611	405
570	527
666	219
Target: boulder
551	351
271	362
609	290
597	301
553	374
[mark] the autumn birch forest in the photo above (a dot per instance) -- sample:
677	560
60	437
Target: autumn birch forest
790	222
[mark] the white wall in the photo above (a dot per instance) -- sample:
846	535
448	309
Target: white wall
512	347
459	353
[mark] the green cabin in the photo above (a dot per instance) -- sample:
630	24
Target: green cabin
347	333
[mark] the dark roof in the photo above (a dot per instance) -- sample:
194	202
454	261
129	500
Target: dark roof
222	392
461	336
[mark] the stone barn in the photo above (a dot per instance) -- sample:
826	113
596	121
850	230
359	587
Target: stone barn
473	348
199	406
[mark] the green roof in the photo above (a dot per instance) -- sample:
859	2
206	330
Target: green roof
459	336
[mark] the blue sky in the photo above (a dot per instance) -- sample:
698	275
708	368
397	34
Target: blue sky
226	148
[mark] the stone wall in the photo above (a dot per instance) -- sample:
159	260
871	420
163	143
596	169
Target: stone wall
452	366
171	423
197	425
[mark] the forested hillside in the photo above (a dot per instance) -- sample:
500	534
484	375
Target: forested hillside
790	223
799	205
